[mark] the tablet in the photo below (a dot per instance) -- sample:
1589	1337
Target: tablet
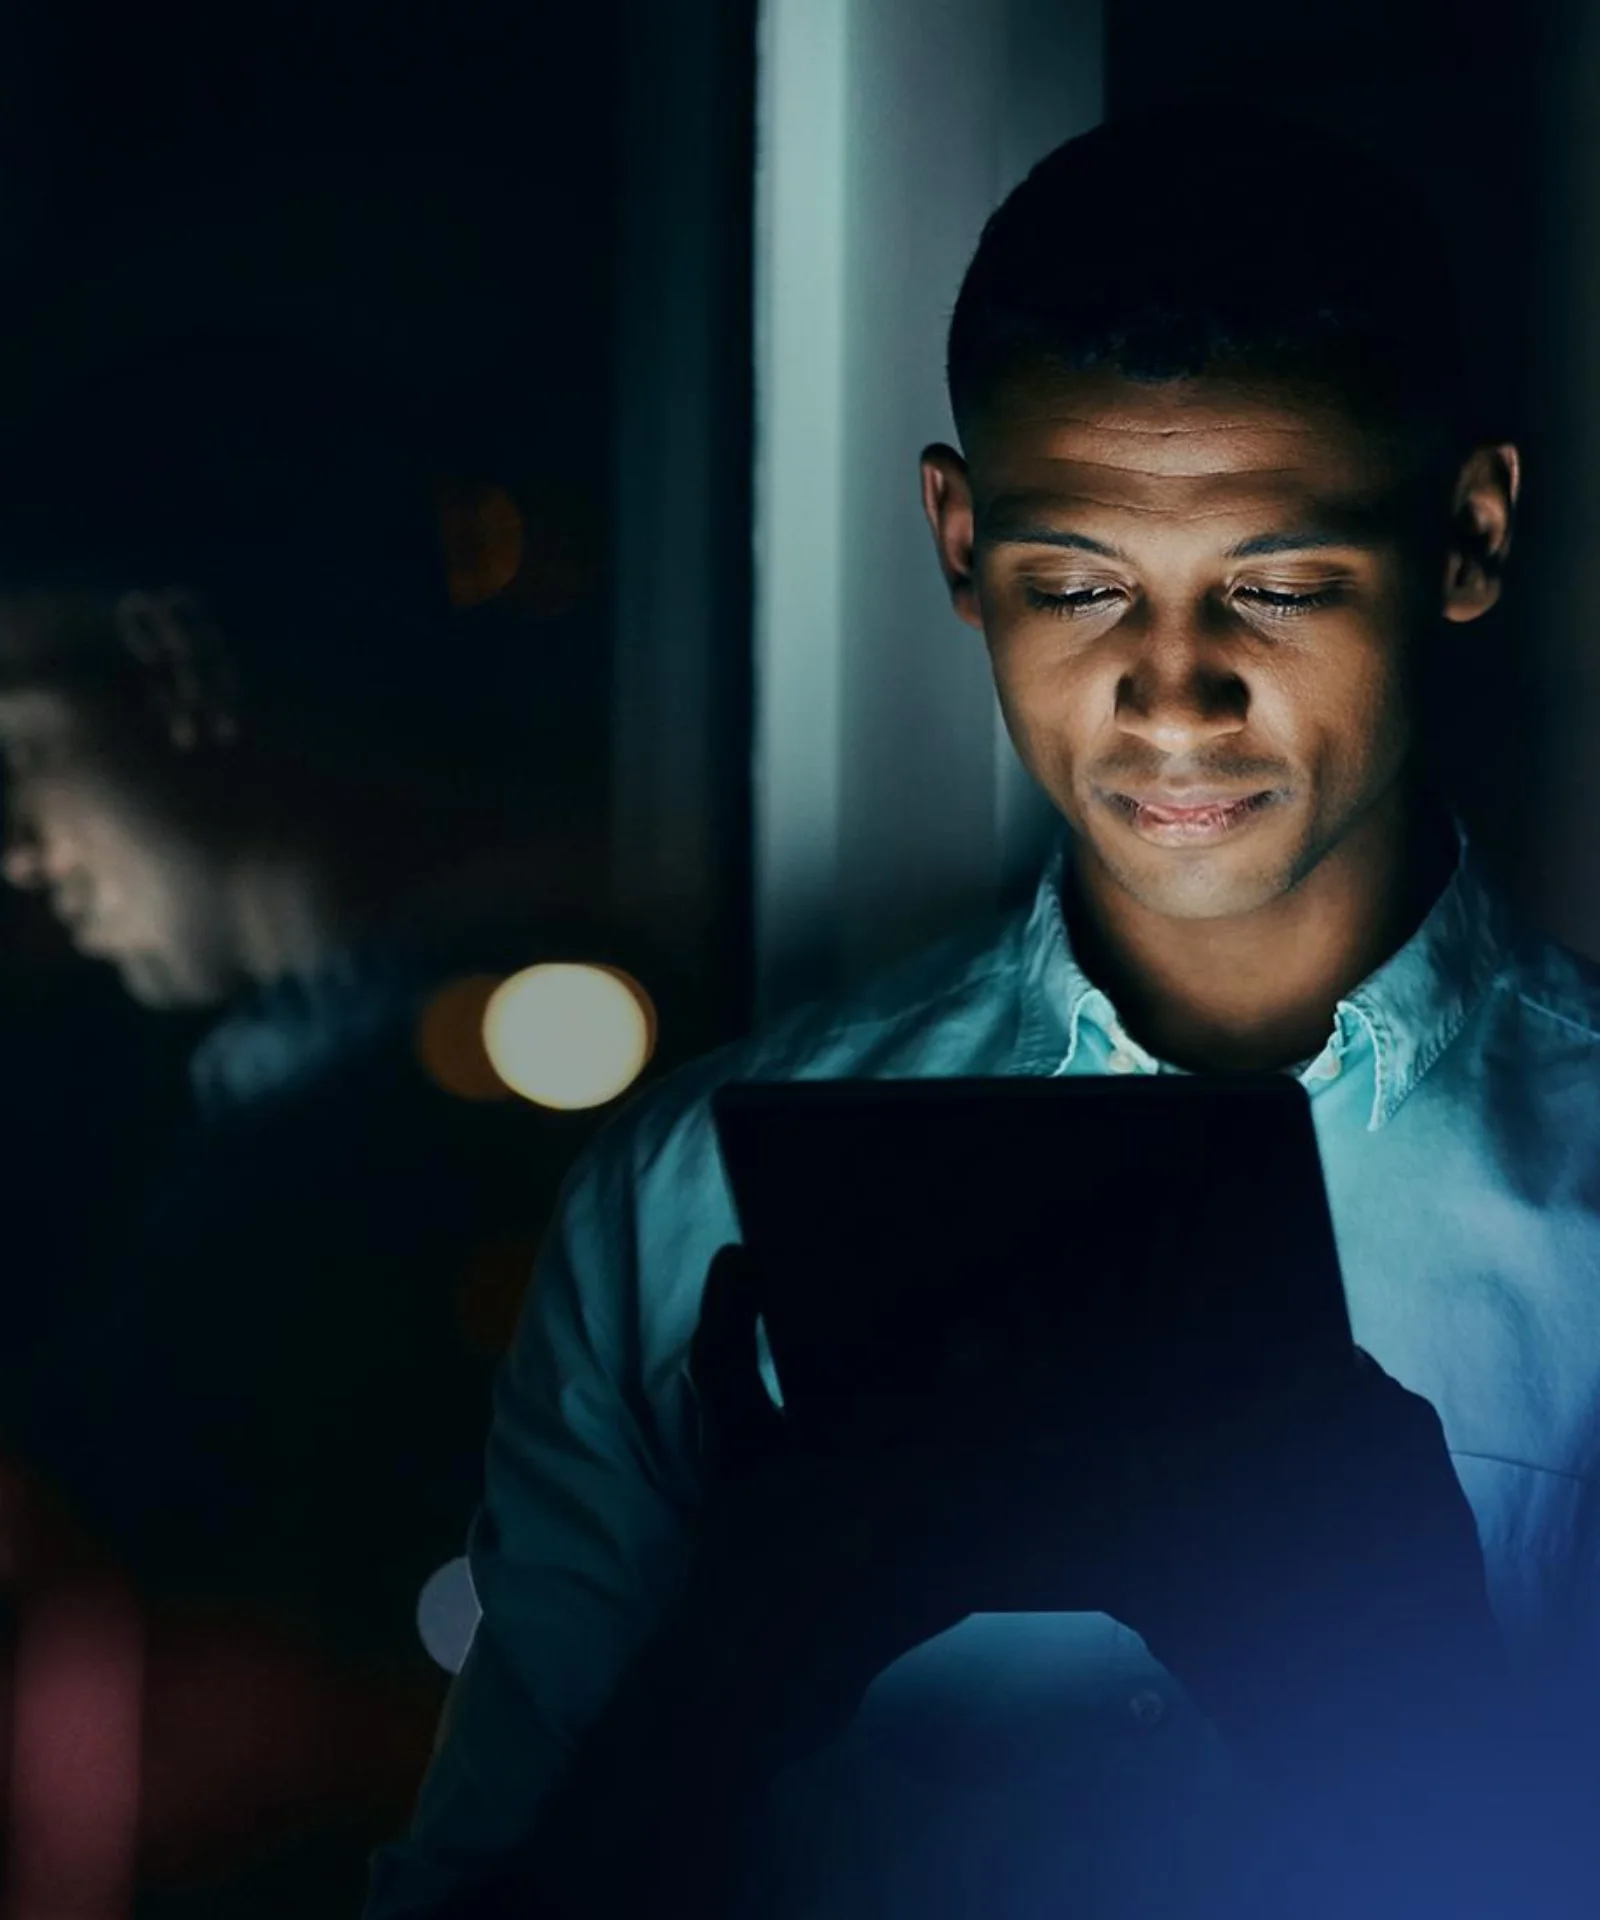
1050	1256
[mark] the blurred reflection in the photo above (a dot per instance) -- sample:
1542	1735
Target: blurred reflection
259	762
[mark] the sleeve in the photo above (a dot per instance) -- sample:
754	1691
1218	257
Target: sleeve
579	1545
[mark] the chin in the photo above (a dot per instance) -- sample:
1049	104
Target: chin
1213	883
1200	898
1224	878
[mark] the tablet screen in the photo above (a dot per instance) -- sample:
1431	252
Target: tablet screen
1052	1253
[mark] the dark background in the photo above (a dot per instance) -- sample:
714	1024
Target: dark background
524	217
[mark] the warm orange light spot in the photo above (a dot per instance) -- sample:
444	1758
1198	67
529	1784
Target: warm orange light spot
450	1043
484	538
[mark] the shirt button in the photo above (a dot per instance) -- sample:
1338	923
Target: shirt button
1148	1707
1122	1062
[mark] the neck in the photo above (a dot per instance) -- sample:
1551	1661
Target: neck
1259	992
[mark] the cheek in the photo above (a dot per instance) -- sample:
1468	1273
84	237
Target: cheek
101	826
1347	708
1047	694
62	813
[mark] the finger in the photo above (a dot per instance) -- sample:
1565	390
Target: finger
739	1423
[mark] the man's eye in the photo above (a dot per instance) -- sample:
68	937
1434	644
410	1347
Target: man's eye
1073	599
1280	600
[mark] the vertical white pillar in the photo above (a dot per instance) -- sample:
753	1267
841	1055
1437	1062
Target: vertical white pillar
888	803
800	613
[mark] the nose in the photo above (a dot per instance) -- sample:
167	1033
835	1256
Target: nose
1181	692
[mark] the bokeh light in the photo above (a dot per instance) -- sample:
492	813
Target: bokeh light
448	1614
569	1036
484	540
450	1039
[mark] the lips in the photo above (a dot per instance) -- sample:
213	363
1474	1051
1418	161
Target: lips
1181	812
1189	814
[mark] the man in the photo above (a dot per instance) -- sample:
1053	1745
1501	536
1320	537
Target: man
1218	500
257	763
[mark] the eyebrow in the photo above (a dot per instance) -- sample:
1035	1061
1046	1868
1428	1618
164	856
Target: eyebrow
999	533
1003	526
1301	540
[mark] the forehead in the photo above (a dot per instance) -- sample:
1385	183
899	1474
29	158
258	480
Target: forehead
1208	451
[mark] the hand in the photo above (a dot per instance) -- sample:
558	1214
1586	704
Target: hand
1306	1564
1312	1572
810	1568
1292	1561
809	1575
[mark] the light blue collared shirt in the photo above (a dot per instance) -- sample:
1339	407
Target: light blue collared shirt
1021	1766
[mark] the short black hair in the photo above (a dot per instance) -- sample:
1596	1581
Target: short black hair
1200	237
297	495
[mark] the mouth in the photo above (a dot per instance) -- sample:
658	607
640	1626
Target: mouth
1189	816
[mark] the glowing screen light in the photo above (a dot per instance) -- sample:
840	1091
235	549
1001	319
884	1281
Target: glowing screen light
569	1036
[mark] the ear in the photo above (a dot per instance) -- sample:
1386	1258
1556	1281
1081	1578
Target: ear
1482	515
179	650
947	501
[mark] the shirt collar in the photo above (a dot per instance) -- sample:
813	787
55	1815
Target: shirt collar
1408	1011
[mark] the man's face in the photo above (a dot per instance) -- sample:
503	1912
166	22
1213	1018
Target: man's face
104	817
1197	597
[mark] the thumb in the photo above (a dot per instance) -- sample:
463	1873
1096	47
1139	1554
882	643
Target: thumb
740	1426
